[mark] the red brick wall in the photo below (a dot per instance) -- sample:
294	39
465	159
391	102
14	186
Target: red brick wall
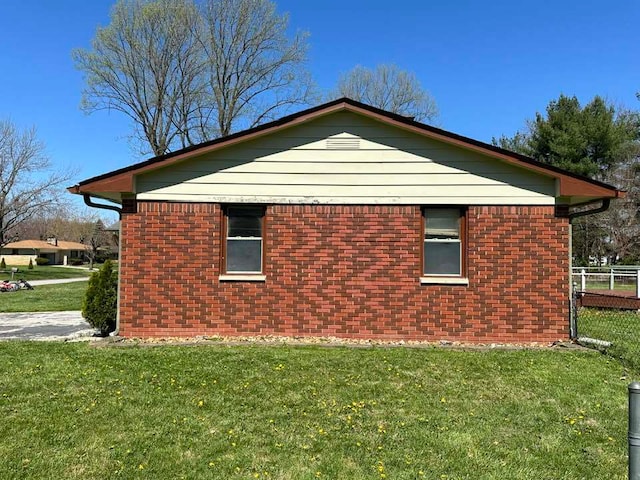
346	271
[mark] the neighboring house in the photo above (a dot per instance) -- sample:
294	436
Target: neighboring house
58	252
345	220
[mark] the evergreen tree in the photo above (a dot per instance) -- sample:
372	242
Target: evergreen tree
100	302
589	141
595	141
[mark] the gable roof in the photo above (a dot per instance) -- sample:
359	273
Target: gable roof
113	184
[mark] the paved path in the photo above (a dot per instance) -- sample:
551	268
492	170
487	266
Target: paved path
44	326
58	280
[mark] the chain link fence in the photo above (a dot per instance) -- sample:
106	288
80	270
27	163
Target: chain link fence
610	323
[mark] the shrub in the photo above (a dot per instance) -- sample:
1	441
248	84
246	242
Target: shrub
100	302
104	256
75	261
3	265
41	261
30	264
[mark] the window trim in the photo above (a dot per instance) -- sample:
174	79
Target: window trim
242	276
445	279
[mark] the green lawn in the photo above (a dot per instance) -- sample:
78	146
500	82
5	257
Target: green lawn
74	411
45	298
605	286
594	285
44	272
620	327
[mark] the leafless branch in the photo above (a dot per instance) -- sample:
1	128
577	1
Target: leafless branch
389	88
185	73
28	185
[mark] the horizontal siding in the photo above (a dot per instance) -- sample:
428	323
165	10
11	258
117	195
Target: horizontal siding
335	189
345	200
370	163
362	179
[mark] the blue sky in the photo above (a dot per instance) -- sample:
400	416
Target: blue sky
489	65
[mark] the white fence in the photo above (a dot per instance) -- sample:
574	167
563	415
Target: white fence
608	278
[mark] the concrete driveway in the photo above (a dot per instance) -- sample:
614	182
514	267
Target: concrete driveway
44	326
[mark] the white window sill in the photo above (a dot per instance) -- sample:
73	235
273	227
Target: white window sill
444	281
242	278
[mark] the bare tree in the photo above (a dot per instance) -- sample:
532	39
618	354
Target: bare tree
64	222
28	185
621	223
255	72
96	238
389	88
146	64
184	74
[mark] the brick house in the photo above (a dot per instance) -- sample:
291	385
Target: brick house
345	220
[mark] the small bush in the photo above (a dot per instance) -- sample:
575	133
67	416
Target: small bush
101	300
3	265
30	264
75	261
41	261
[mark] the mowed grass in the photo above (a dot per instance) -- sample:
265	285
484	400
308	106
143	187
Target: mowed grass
626	286
45	298
620	327
44	272
75	411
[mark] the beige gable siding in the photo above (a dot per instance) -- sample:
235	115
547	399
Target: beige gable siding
346	159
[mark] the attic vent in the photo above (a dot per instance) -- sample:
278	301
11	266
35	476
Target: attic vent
343	143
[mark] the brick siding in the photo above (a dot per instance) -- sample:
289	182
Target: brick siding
345	271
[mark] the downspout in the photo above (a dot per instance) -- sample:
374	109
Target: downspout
87	200
602	208
573	327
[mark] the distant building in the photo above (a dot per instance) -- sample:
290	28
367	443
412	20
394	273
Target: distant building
58	252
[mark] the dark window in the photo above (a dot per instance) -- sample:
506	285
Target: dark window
443	241
244	239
